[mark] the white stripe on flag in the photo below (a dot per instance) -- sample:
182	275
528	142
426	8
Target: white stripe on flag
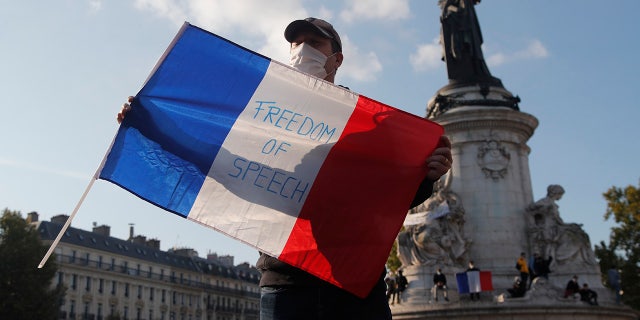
474	281
254	171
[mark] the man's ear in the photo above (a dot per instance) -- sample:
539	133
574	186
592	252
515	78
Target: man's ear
339	58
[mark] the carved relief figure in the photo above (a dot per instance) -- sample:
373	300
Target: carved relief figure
436	234
550	236
494	159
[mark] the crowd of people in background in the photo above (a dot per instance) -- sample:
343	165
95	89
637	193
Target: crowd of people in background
529	270
396	285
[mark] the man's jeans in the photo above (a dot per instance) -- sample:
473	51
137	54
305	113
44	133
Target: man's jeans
325	302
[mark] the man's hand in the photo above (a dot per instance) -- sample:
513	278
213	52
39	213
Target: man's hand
125	108
440	161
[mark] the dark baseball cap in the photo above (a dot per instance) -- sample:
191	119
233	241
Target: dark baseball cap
316	25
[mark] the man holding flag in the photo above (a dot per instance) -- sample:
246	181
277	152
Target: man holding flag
288	292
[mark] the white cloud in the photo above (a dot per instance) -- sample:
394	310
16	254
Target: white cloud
496	59
95	6
256	24
22	165
375	9
246	22
358	66
535	50
427	57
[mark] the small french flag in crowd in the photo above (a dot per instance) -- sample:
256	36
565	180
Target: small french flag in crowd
474	281
303	170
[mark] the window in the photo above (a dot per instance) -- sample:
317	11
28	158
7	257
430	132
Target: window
138	270
164	294
100	285
151	294
100	262
150	272
73	256
113	287
113	263
86	258
126	290
139	292
87	287
72	308
126	312
99	311
60	278
74	281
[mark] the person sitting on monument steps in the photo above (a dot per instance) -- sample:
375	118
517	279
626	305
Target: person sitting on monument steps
587	295
439	284
572	287
518	290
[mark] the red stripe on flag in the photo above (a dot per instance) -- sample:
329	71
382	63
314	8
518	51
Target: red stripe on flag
485	281
361	195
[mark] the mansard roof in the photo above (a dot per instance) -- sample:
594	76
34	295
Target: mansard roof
98	242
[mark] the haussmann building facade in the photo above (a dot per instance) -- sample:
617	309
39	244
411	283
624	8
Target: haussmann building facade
111	278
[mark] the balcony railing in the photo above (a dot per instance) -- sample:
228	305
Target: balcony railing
108	267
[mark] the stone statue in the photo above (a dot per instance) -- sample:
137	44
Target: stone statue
550	236
461	39
438	237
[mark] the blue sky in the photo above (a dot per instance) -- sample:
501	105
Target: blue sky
66	67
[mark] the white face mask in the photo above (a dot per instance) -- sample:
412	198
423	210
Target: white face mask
309	60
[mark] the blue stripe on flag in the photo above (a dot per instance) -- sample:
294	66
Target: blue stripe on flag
180	118
463	282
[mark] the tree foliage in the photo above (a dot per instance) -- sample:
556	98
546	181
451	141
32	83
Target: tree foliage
393	262
26	292
623	251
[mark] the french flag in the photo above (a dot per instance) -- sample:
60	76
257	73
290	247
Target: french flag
303	170
474	281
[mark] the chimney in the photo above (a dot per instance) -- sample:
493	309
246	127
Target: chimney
226	260
141	240
32	217
154	243
102	230
130	232
60	219
185	252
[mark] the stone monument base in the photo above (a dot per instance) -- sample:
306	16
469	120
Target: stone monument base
493	311
544	300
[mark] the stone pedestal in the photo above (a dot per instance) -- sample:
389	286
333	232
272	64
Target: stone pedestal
490	180
490	173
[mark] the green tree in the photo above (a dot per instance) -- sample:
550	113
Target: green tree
26	292
623	205
393	262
